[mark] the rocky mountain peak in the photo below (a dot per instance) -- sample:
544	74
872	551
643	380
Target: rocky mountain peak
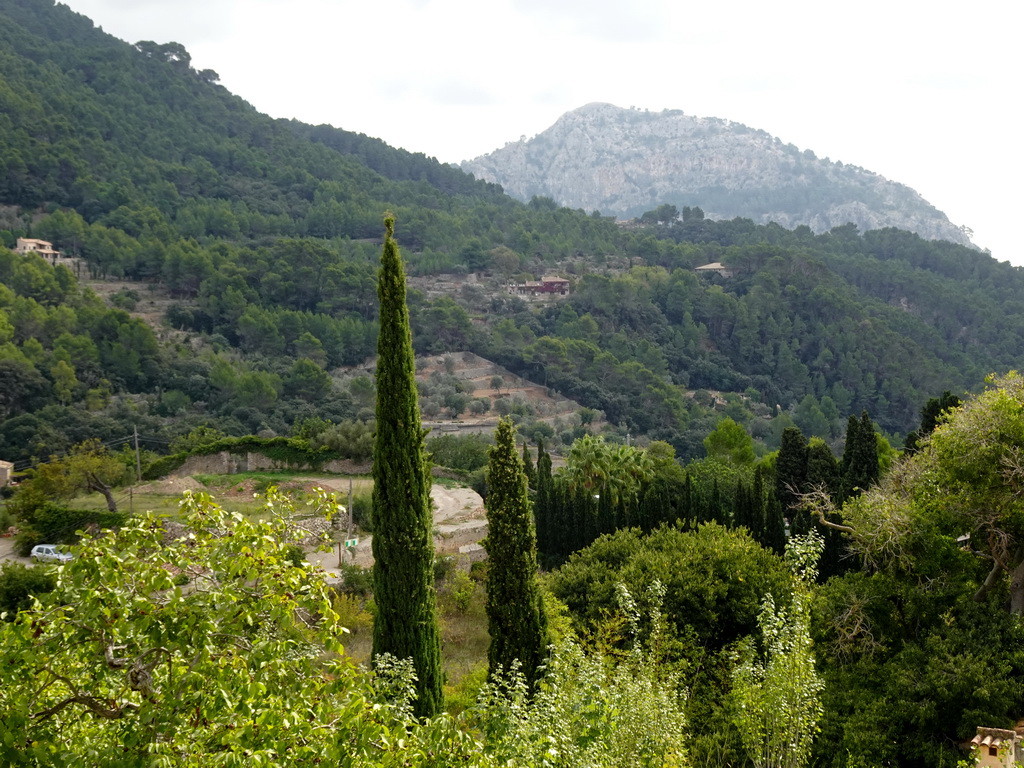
627	161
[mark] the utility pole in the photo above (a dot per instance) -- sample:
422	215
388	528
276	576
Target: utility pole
349	536
138	458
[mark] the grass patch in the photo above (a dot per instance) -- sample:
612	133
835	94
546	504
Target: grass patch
464	637
233	492
165	505
461	603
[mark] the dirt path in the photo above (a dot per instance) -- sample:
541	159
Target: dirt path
7	552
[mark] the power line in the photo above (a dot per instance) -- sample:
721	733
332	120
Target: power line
23	464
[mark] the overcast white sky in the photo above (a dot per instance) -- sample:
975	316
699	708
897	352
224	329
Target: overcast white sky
925	93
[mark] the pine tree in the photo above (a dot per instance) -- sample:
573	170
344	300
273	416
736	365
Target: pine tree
515	612
403	548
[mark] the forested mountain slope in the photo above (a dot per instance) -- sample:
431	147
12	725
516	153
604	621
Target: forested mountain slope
263	233
625	161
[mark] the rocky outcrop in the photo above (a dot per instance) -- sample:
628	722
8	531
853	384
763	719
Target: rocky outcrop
624	162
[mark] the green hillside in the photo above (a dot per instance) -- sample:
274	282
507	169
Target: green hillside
218	292
265	233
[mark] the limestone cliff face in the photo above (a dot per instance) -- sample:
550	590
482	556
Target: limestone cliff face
624	162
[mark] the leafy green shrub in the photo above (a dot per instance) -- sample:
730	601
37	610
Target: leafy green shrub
18	584
538	430
295	555
715	579
51	523
347	440
362	511
477	480
126	298
464	695
444	565
478	571
457	592
599	711
466	452
355	580
27	538
352	613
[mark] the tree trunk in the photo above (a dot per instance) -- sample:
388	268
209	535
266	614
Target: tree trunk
95	484
1017	589
990	580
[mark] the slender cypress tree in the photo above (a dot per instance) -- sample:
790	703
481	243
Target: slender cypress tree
743	508
822	467
528	468
515	613
823	473
860	456
791	478
690	515
774	536
759	524
403	548
543	505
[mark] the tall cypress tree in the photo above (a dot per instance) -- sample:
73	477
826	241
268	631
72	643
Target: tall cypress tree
823	474
690	514
528	468
403	548
791	478
757	496
860	456
774	536
543	504
515	613
930	415
743	508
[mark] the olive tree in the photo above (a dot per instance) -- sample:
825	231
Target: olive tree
965	482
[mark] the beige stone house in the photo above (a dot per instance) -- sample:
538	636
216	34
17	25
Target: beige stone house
998	748
43	247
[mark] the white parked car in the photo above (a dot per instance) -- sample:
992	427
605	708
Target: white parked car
50	553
